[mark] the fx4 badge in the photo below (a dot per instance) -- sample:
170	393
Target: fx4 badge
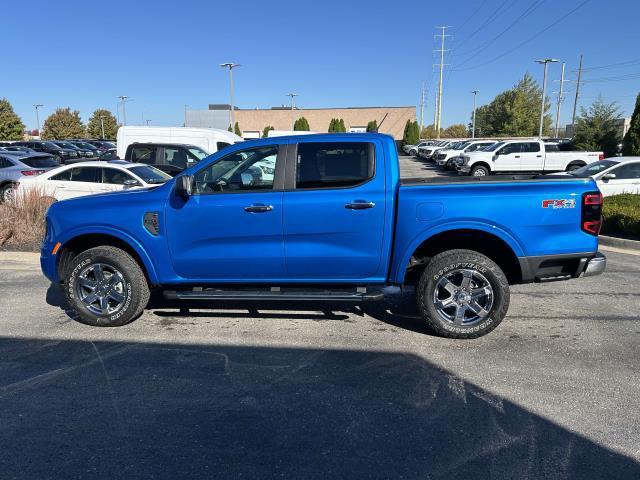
562	203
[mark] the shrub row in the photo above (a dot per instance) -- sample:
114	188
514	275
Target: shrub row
622	215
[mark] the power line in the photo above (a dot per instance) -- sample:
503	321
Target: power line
472	15
492	17
528	40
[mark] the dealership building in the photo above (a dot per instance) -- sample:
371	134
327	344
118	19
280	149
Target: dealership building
391	120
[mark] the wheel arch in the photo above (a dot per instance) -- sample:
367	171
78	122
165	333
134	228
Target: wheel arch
80	242
576	163
481	163
495	244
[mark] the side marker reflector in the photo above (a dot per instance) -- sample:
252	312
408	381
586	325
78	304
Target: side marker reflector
56	247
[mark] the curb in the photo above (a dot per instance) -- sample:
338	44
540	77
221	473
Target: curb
619	242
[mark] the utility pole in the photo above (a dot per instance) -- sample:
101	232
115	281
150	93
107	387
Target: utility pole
422	107
102	125
473	123
575	101
185	115
123	99
231	66
435	110
292	95
37	107
544	62
441	65
560	100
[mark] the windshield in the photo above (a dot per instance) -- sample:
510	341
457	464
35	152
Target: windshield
84	145
198	152
40	162
491	148
593	168
50	145
150	174
459	145
67	145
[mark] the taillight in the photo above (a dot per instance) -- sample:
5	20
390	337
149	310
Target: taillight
31	172
601	156
592	212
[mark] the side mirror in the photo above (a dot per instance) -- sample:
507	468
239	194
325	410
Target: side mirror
608	176
498	153
131	183
183	186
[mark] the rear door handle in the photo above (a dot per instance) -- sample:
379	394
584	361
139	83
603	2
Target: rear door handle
539	156
258	208
517	156
359	205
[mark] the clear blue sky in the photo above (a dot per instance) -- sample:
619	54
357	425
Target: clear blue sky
332	53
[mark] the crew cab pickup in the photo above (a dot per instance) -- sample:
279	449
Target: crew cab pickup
334	223
523	156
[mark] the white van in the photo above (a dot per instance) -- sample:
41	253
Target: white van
209	139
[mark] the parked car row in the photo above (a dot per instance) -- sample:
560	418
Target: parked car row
64	151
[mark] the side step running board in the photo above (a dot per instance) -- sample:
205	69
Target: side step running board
275	295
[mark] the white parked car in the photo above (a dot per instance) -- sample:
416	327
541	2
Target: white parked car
614	175
89	178
447	158
413	149
523	156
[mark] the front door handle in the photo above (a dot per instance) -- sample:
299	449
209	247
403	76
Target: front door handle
359	205
538	156
517	156
258	208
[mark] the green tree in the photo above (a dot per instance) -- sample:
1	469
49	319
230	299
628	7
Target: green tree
332	125
372	126
596	128
301	125
429	132
63	123
515	112
230	129
341	126
631	144
100	117
457	130
266	130
11	127
411	133
237	130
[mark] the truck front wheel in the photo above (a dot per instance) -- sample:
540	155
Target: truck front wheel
106	287
479	171
462	294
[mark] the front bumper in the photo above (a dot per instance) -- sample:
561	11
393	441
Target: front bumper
552	268
463	169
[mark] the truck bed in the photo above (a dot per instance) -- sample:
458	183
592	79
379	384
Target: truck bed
421	181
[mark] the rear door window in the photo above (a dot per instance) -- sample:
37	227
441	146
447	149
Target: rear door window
4	163
115	176
86	174
332	165
530	147
176	157
143	155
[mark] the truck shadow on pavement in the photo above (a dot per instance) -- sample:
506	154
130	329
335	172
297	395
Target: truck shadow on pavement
72	409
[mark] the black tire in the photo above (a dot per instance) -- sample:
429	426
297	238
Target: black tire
450	265
413	152
6	192
480	171
131	293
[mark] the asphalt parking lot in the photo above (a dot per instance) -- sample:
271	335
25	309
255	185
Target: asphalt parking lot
255	391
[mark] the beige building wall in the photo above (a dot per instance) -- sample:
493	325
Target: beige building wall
396	118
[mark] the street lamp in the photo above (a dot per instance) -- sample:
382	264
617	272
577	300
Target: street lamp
544	90
102	125
37	106
123	99
292	95
231	66
473	124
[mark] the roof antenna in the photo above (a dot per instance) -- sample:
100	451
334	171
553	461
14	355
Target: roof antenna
381	122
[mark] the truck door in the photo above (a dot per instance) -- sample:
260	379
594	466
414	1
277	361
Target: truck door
231	226
531	157
334	210
509	158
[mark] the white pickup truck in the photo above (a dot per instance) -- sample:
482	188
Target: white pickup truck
523	156
447	158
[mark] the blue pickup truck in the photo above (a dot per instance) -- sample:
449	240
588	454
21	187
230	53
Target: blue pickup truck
323	218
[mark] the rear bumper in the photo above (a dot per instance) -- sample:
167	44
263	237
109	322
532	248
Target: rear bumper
552	268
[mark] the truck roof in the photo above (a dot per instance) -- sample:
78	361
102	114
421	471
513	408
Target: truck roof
321	137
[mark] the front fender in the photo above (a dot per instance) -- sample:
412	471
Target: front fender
120	235
426	234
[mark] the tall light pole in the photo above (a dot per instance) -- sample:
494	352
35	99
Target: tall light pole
560	100
231	66
123	99
102	125
37	107
544	62
441	65
473	123
292	95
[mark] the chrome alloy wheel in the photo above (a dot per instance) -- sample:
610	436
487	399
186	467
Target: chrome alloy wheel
100	287
463	297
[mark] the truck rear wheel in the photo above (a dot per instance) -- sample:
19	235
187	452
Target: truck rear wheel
106	287
462	294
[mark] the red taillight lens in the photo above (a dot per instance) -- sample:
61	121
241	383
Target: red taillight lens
601	156
592	212
29	173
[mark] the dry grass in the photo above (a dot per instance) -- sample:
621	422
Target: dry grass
22	222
